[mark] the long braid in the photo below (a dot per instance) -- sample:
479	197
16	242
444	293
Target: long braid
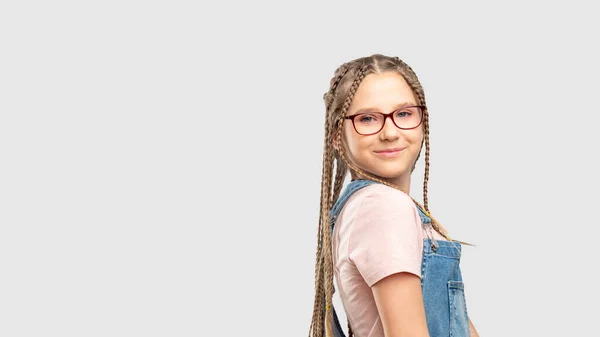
317	324
427	152
341	171
328	97
321	267
317	319
335	81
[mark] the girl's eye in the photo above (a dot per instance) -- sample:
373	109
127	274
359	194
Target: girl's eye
403	114
366	119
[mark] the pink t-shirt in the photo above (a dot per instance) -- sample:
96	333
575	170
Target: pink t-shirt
377	234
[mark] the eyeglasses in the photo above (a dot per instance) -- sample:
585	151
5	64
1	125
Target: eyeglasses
370	123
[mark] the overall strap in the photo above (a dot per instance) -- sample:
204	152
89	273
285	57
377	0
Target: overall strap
424	218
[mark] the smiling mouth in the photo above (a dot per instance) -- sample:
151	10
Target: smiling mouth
390	152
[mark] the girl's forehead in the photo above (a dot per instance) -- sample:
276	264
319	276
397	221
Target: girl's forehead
382	92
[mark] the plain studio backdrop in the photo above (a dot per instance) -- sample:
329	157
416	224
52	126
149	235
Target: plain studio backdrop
160	162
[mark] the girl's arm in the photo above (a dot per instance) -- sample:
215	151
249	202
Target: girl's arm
472	331
399	301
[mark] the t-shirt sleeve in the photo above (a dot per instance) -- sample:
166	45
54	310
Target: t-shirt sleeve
386	235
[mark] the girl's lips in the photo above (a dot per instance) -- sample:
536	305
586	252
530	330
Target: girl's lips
389	152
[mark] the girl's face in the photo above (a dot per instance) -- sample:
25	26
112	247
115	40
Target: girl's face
390	153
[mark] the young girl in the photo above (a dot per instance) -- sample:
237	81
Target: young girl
396	269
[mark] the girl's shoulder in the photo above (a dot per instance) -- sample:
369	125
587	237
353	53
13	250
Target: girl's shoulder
382	204
380	194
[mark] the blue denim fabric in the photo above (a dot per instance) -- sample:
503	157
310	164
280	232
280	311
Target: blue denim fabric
441	279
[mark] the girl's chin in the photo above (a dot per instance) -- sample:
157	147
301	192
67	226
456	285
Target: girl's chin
391	174
386	170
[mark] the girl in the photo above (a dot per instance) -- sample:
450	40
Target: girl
395	266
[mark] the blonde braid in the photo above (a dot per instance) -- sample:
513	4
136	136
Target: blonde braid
427	153
341	171
329	96
323	269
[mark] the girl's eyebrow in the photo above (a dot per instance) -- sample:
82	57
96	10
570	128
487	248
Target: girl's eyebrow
397	106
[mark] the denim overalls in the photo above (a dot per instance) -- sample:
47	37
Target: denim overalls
441	280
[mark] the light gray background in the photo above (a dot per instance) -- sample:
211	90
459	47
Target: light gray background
160	161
